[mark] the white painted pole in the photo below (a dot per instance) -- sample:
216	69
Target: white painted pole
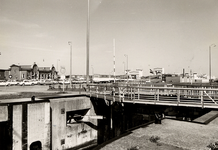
114	60
87	48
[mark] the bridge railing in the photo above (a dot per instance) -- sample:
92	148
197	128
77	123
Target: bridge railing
202	96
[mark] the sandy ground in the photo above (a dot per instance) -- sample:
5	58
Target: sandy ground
173	135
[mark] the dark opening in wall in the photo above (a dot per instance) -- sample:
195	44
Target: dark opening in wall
76	115
37	145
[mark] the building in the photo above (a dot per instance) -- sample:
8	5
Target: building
137	74
21	72
2	74
159	71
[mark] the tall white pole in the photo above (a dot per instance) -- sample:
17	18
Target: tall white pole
87	48
209	64
70	43
114	60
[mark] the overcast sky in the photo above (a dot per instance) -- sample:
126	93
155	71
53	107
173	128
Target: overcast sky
173	34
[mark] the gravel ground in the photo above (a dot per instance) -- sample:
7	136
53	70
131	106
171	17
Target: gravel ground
170	135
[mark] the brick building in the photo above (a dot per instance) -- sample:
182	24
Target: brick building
2	74
20	72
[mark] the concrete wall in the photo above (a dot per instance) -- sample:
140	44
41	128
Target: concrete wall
70	135
17	127
46	123
3	113
39	124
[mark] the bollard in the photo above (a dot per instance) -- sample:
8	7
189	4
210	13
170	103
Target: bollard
33	98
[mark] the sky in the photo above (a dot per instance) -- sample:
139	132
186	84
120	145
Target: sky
169	34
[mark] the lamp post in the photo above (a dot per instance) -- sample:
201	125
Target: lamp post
57	65
114	61
70	43
126	61
212	45
124	66
87	47
127	70
92	73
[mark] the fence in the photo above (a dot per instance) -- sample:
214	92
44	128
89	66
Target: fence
206	97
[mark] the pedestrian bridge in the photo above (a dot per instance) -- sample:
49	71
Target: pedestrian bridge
168	96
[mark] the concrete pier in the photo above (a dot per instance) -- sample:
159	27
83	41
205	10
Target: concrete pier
44	123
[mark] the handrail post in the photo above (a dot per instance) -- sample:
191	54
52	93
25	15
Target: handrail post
138	92
155	92
111	114
113	89
119	94
134	93
104	93
123	95
127	90
97	91
131	92
202	99
133	96
158	90
178	97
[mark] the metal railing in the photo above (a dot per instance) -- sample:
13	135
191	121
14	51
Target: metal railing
163	95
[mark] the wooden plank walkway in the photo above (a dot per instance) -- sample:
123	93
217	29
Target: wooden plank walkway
208	117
